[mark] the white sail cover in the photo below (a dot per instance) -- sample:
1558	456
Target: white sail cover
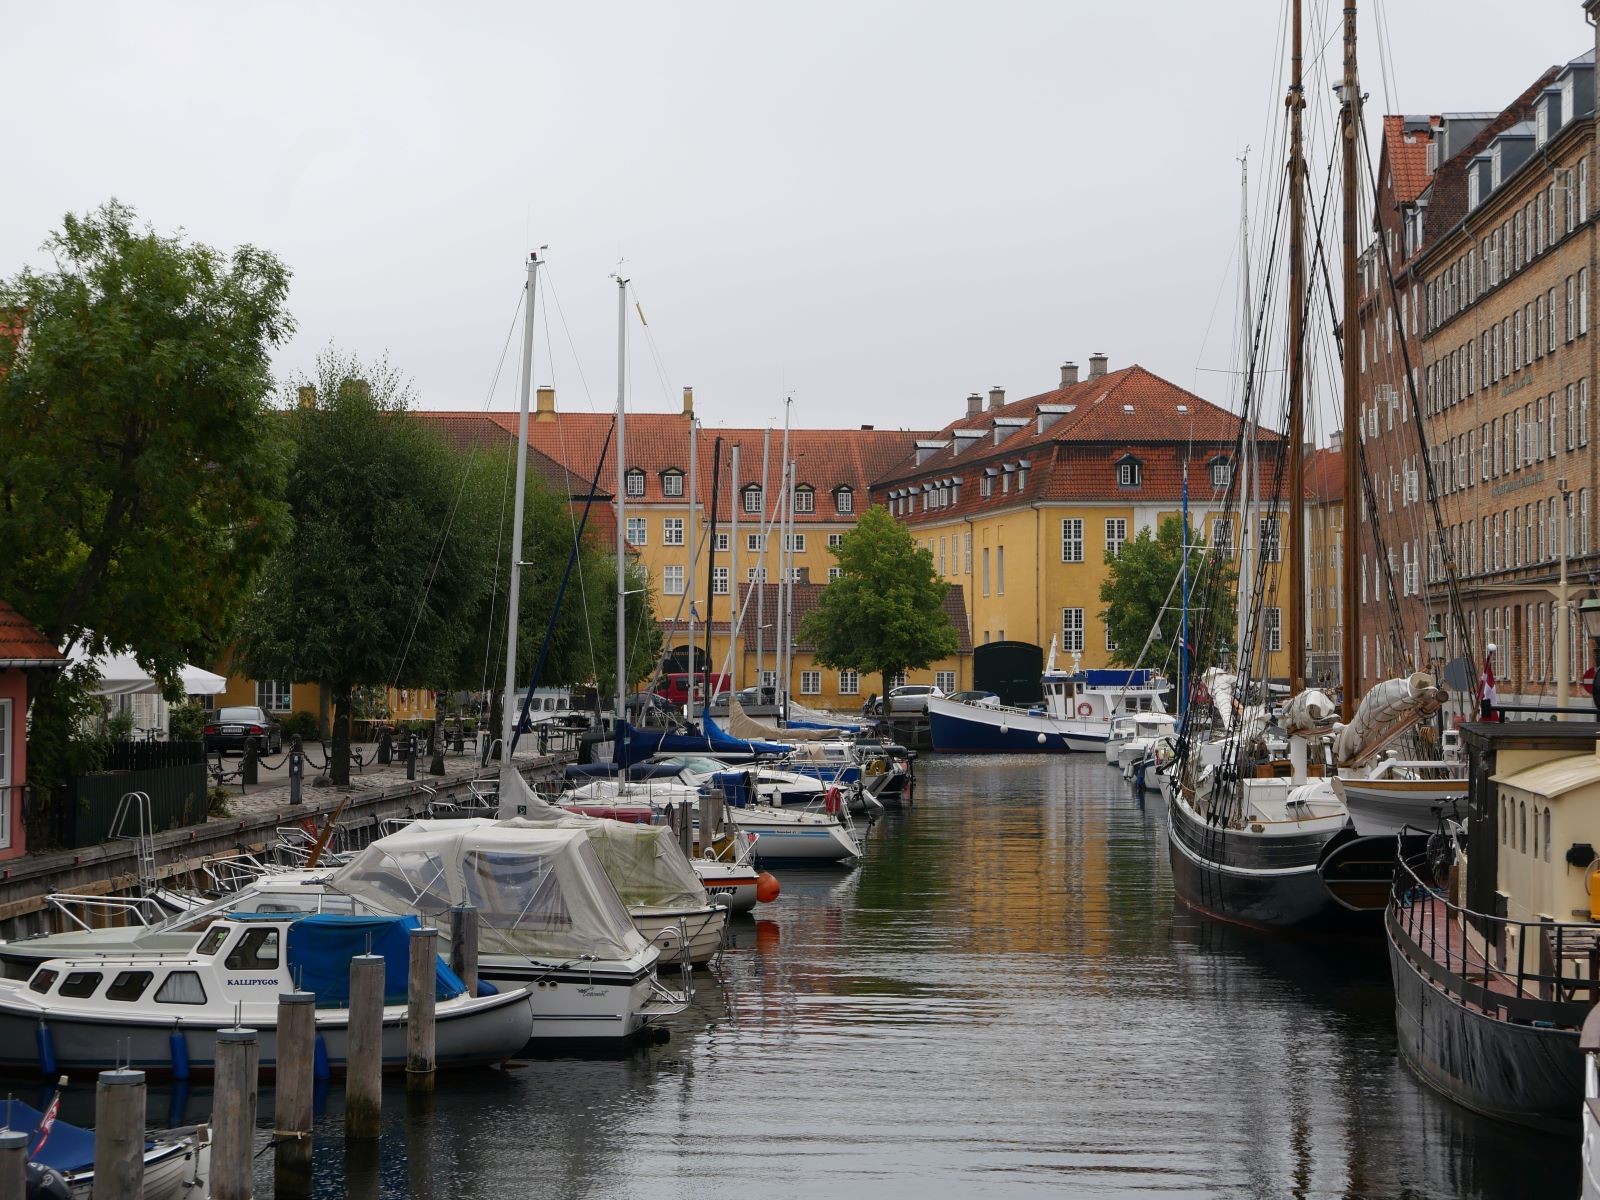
1308	713
644	862
1387	711
541	892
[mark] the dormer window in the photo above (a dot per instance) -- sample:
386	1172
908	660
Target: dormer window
672	482
1130	472
986	486
752	498
1023	468
634	482
1221	474
805	498
844	500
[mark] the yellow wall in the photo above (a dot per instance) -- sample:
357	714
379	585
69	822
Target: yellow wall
1039	585
405	704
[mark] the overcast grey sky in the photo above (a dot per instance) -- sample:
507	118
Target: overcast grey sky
876	206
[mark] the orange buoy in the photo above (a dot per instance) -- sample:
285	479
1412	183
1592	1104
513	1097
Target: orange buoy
831	802
766	887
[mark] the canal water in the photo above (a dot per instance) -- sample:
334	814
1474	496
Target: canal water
1002	1000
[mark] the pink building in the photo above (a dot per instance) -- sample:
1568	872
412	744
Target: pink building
23	651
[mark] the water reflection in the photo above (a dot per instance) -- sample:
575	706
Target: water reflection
1002	1000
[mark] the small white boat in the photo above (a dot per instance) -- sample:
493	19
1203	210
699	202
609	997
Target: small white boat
1144	731
1402	792
173	1161
161	1013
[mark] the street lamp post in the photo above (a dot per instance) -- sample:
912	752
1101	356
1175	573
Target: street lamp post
1435	639
1590	611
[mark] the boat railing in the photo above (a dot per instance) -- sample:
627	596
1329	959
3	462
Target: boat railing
1436	935
94	912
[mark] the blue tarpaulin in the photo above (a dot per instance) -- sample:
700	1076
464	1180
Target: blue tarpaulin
67	1149
321	947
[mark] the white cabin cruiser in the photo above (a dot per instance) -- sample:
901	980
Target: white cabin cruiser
162	1013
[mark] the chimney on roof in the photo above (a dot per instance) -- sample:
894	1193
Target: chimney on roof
974	403
308	396
1336	440
545	404
1097	365
997	398
1069	374
688	402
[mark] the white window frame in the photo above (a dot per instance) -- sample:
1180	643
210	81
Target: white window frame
805	499
811	683
849	683
270	691
755	543
945	681
672	531
673	579
672	483
1273	627
1072	630
1223	547
1072	539
641	526
752	498
719	581
844	500
836	539
835	573
1270	539
1116	535
1128	473
633	482
795	543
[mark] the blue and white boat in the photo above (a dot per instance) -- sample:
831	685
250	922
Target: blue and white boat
1075	714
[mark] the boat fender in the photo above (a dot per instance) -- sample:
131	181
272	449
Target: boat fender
830	804
485	988
766	887
45	1042
319	1060
1084	708
46	1183
179	1049
1041	739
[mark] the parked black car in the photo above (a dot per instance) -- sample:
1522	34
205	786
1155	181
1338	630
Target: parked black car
230	728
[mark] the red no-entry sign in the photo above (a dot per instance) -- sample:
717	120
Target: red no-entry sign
1588	681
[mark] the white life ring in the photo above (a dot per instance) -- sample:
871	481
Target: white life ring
1084	709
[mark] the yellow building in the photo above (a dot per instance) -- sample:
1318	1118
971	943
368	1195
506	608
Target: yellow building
1020	502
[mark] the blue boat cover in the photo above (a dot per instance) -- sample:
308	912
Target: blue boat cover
725	742
68	1149
735	787
1108	677
322	945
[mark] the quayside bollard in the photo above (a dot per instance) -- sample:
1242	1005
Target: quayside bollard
119	1136
233	1114
363	1066
291	1135
13	1164
708	827
464	945
420	997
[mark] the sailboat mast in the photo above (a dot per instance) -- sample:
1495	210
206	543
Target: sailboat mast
620	709
1247	476
735	612
1297	371
692	540
514	591
1350	128
761	573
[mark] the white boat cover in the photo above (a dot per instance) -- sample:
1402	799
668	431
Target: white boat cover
1308	713
1387	711
541	892
644	862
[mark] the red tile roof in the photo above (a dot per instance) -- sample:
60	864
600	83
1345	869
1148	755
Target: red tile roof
21	643
1406	154
1097	423
806	596
826	459
480	431
1325	474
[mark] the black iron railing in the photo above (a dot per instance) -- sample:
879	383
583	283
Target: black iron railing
1434	935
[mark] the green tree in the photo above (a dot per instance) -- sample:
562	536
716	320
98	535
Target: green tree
885	613
1141	592
385	568
141	478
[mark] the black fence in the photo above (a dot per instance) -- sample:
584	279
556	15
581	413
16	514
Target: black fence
172	774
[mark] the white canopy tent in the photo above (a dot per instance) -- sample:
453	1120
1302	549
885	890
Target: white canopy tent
121	675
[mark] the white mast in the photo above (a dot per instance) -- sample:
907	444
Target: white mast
691	541
621	689
761	589
788	574
787	486
508	716
733	574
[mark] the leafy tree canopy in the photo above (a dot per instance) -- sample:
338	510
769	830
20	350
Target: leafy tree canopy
141	478
1140	591
386	564
885	612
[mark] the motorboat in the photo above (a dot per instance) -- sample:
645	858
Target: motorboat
161	1013
782	835
1139	733
1075	714
174	1162
549	917
1398	793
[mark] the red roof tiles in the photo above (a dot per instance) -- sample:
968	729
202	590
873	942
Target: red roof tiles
21	643
1406	153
